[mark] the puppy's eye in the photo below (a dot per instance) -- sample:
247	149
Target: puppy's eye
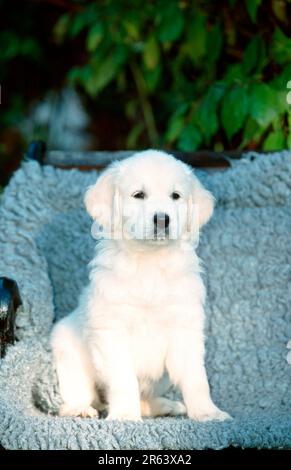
175	195
139	195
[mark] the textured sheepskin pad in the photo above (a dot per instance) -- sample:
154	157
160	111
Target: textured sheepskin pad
45	245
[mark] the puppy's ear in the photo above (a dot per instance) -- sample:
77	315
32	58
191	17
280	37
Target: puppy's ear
100	198
203	202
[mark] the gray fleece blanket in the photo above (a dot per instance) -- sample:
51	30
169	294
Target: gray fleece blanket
45	245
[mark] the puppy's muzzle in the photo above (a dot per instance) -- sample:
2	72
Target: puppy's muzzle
161	222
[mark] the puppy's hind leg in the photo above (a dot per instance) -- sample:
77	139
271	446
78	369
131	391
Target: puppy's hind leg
160	406
74	371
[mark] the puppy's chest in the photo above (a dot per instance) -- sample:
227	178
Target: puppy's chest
149	284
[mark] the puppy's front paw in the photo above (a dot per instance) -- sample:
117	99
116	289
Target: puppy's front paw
209	415
82	411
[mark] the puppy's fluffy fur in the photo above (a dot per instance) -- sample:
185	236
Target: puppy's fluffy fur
139	323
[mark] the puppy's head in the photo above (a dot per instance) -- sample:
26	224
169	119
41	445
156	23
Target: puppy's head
151	197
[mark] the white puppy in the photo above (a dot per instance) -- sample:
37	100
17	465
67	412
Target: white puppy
139	323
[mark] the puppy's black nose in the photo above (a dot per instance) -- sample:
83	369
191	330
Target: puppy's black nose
161	220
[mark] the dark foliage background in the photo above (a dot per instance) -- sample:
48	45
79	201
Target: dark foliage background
165	73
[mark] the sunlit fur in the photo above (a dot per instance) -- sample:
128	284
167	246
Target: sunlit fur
139	323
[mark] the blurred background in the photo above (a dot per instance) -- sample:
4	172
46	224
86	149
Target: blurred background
131	74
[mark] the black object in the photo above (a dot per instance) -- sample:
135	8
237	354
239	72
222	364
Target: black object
9	302
36	151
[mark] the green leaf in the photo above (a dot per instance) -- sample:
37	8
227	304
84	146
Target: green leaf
152	77
171	23
281	101
104	70
281	47
134	134
61	27
175	127
190	138
252	8
254	57
79	74
207	115
132	25
275	141
196	44
282	87
235	73
151	53
252	132
214	41
263	104
131	30
102	74
234	110
281	80
77	25
279	8
83	19
94	36
176	123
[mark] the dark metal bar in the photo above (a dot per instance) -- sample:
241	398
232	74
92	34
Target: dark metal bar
99	159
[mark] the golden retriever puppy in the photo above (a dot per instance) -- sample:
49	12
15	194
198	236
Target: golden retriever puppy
139	323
